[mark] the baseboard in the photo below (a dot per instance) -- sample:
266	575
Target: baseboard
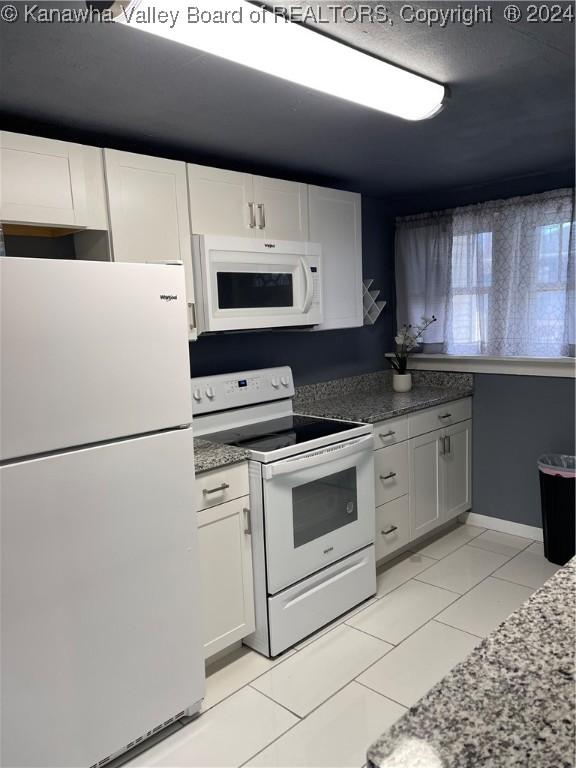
504	526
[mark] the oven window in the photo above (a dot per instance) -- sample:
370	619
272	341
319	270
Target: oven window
324	506
246	290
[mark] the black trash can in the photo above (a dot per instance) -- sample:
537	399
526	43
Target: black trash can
557	483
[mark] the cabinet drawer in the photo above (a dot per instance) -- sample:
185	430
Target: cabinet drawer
390	432
392	526
319	599
220	485
391	472
440	416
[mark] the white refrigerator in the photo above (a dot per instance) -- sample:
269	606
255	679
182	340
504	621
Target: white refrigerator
100	603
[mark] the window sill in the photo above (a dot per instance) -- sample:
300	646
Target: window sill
563	367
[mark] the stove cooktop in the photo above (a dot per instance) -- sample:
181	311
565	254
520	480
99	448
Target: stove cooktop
267	436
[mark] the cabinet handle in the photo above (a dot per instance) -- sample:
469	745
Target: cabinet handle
449	449
191	315
248	529
445	416
262	215
218	488
252	216
384	435
390	530
389	476
442	445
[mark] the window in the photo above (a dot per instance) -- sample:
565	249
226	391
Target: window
499	276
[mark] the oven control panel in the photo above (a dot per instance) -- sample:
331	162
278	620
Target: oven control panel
233	390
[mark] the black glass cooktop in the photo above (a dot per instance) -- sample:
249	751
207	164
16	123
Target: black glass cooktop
280	433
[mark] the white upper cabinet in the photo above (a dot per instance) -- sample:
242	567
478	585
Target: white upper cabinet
336	223
281	208
50	183
221	202
240	204
149	218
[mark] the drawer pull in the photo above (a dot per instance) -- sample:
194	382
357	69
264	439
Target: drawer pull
445	416
248	529
390	530
218	488
389	476
384	435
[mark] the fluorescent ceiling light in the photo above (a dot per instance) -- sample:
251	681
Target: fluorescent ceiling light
264	41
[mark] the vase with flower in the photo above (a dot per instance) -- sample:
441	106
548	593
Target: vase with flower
408	338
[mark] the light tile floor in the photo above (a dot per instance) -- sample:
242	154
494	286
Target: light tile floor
323	703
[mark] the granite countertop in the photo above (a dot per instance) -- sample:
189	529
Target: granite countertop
208	455
510	704
370	398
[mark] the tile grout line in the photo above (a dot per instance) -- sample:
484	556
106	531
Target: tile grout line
267	696
458	629
439	538
510	557
302	718
404	706
434	617
397	645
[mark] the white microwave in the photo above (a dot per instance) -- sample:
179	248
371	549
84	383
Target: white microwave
244	283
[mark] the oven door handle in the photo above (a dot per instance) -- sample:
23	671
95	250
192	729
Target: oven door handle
321	456
309	288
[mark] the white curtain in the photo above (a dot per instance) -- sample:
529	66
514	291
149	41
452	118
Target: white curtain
498	276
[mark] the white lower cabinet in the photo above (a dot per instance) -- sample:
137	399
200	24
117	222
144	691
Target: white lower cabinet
440	475
391	468
423	476
456	461
392	526
225	546
425	484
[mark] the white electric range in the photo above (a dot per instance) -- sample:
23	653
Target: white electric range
311	498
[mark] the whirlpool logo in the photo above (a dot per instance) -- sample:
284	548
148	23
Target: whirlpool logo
168	296
269	245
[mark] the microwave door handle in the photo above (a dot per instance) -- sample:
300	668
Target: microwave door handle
309	290
315	458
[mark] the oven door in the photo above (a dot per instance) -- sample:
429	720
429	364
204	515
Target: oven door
318	508
250	286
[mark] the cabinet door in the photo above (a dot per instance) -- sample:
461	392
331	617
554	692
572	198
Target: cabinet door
226	574
456	464
336	223
426	489
149	217
220	202
43	181
281	208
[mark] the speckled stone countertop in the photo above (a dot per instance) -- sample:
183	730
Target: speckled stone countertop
208	455
510	704
370	398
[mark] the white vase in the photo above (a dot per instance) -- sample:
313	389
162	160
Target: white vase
402	382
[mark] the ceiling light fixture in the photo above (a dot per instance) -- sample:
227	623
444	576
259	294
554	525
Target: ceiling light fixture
250	35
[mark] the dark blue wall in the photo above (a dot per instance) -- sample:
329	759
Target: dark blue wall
322	355
517	418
